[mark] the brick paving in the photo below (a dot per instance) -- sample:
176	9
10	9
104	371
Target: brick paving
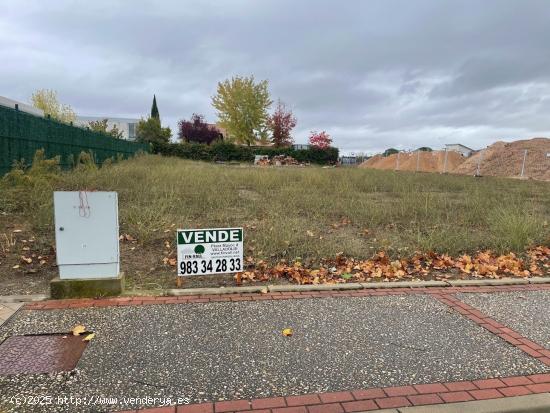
505	333
440	292
360	400
401	396
375	399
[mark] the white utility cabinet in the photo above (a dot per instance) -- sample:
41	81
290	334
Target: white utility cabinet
86	234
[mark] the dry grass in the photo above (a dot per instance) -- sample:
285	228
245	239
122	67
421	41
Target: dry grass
298	212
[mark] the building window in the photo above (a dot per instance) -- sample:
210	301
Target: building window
131	131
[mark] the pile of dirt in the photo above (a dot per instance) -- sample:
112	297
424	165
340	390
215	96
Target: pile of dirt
416	161
506	159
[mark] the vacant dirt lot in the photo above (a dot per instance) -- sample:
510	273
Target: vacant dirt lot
288	214
420	161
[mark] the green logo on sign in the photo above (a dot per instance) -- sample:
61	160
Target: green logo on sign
199	249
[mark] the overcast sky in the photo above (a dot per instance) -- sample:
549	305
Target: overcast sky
373	74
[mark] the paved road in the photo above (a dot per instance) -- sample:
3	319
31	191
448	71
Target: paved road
234	350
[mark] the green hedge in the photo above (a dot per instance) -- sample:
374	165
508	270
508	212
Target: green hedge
225	151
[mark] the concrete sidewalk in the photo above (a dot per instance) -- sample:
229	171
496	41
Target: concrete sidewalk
350	351
7	309
10	304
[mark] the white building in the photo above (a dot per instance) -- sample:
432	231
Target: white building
23	107
461	149
126	125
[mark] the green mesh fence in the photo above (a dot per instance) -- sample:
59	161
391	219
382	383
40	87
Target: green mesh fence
22	134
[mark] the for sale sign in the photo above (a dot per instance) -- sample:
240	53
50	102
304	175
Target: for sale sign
209	251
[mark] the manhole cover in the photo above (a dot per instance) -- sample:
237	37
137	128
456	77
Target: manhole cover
46	353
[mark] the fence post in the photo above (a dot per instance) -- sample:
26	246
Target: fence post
397	162
445	162
479	163
523	163
417	160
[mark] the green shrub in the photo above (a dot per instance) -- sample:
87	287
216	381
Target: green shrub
225	151
514	228
390	151
30	188
40	169
86	161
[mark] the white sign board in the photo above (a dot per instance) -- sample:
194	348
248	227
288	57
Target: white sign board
209	251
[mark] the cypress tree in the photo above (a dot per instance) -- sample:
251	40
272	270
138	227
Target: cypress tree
154	109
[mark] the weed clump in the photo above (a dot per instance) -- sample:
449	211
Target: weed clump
28	188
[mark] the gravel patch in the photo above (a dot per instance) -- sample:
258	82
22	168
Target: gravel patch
527	312
222	351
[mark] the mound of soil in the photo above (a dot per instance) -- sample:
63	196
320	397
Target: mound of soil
506	159
416	161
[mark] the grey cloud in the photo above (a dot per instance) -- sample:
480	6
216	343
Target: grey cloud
373	73
482	74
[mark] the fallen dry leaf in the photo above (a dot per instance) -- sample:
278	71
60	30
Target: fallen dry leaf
27	260
126	237
287	332
421	265
78	330
170	261
89	337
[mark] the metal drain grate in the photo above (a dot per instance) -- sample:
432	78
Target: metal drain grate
45	353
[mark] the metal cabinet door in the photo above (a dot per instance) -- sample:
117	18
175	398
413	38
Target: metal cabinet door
86	227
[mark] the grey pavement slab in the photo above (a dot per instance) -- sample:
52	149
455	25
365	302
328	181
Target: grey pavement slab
225	350
7	309
527	312
9	304
22	298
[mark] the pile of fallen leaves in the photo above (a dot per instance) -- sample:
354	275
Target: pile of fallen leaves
31	257
430	265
